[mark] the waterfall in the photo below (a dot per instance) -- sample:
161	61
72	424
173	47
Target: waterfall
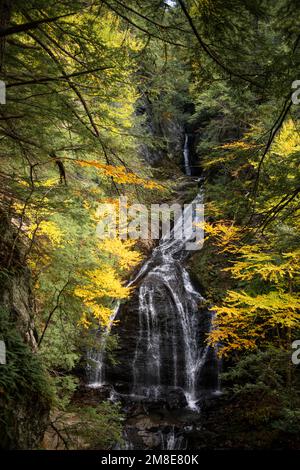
169	319
171	441
168	308
96	356
186	156
170	353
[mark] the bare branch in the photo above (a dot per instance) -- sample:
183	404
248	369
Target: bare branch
207	50
53	79
146	31
21	28
275	128
53	311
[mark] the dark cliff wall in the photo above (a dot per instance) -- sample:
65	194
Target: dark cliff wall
167	134
24	391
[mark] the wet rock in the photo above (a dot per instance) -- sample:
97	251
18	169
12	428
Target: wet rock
150	440
176	399
90	396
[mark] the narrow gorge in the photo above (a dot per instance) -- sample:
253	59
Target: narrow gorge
162	358
149	225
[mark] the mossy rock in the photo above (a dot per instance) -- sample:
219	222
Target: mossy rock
25	394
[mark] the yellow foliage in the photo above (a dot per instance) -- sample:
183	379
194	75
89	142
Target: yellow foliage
238	145
267	266
120	174
102	282
287	141
243	320
84	322
225	236
212	209
122	250
210	162
100	286
51	230
100	312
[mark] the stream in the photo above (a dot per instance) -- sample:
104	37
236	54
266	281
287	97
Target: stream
163	361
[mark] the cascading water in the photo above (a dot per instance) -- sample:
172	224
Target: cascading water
171	441
169	324
186	156
96	357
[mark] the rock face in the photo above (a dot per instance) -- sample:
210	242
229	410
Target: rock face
24	418
167	133
15	292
